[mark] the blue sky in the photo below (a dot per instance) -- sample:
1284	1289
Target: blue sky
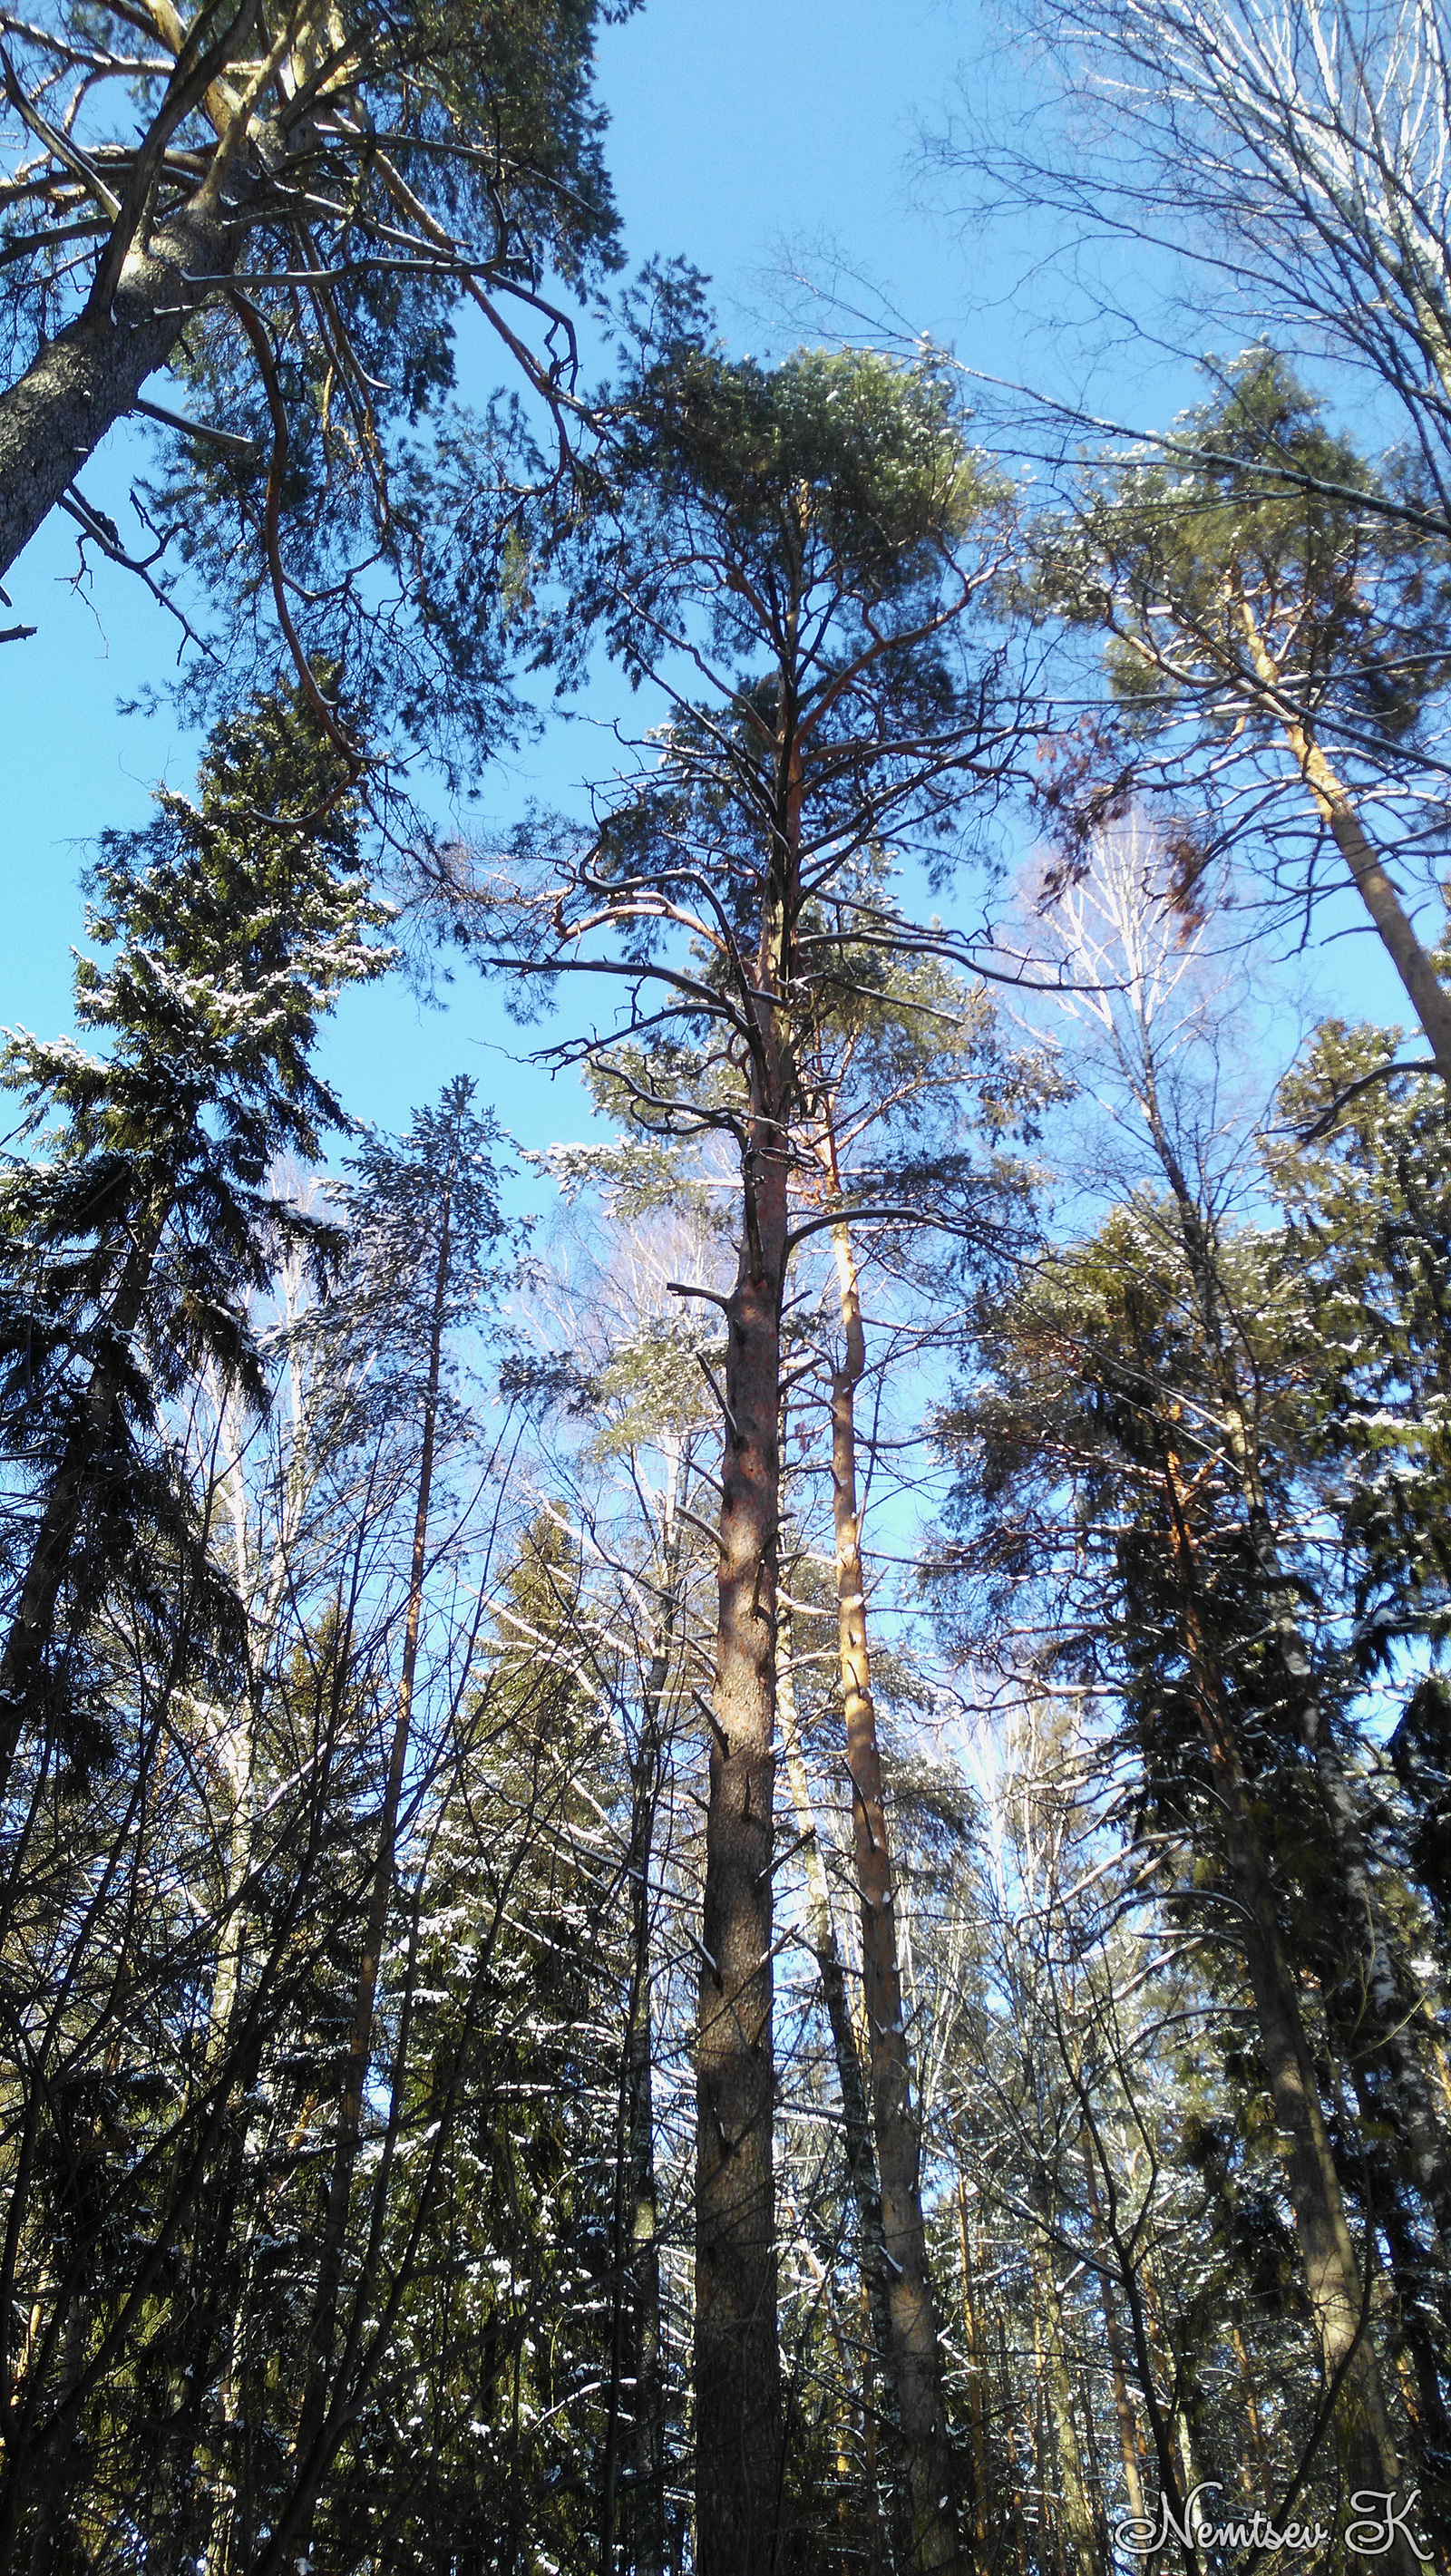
750	136
738	125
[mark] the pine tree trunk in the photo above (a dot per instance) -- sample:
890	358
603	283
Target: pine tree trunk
977	2372
738	2414
1393	924
87	378
915	2357
861	2161
1336	808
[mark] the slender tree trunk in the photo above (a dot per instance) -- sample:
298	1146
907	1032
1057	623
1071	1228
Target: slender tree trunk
1077	2514
1050	2552
1332	2280
313	2451
915	2356
637	2242
649	2460
216	2451
878	2523
1259	2488
1009	2403
1178	2467
49	2547
738	2412
861	2161
977	2384
1336	808
1123	2409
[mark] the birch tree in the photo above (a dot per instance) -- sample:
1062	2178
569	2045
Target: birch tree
1292	154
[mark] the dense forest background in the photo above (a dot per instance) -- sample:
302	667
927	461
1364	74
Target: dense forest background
727	1847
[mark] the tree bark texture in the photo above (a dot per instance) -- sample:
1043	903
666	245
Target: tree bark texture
1336	808
1009	2413
915	2357
87	378
977	2385
1259	2488
737	2355
1076	2511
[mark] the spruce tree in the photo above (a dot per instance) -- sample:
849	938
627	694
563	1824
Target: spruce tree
145	1216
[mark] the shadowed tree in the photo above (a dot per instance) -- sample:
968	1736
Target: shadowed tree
130	1250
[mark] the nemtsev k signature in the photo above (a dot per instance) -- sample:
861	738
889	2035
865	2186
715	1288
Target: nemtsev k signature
1378	2517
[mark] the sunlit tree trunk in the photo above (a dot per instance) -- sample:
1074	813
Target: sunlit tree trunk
915	2358
87	378
238	1755
861	2161
1122	2406
977	2385
1077	2513
1336	809
636	2250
